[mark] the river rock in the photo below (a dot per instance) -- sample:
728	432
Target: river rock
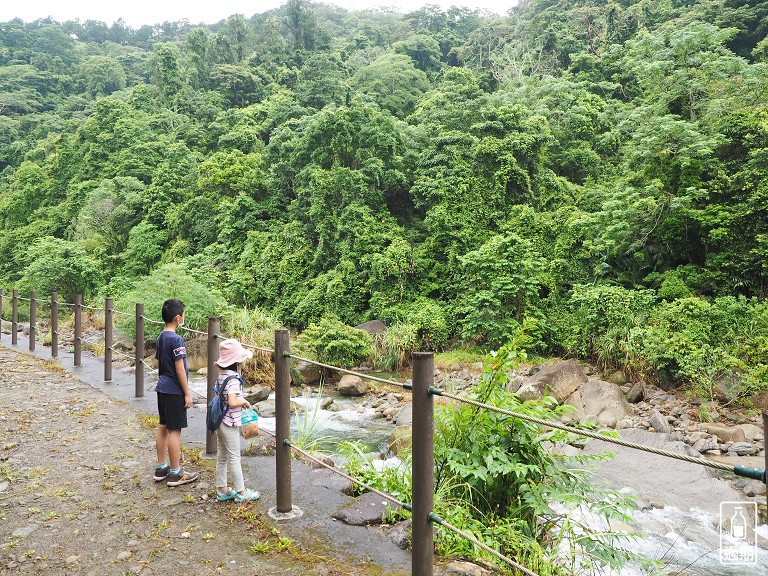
400	439
405	416
365	510
400	534
559	380
742	449
723	432
602	400
636	393
618	377
751	432
461	568
257	394
660	423
266	408
754	488
308	373
373	326
704	445
675	482
351	385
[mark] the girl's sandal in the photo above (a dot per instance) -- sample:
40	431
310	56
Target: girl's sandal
228	495
248	495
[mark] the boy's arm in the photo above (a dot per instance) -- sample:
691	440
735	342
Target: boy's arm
181	374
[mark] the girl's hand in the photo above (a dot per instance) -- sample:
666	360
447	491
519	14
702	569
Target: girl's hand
246	404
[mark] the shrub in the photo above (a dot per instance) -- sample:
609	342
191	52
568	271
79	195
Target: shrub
333	342
701	342
599	320
424	315
170	281
60	265
393	347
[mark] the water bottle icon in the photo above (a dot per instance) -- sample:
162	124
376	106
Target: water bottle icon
739	525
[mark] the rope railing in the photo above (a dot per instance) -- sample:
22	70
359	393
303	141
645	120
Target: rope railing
121	313
345	371
149	367
262	349
191	330
343	474
121	354
91	308
442	522
158	322
739	470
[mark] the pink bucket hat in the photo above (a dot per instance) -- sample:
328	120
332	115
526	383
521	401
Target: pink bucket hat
232	352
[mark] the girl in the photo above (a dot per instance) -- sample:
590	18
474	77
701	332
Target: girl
231	355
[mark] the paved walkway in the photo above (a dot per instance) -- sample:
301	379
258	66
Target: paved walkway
315	491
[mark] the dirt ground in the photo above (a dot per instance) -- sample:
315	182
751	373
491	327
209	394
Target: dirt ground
77	494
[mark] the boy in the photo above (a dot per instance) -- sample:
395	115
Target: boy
173	397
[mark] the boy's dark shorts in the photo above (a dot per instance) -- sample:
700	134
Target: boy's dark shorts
170	408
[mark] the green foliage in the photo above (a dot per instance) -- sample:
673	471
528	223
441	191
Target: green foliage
600	320
254	326
393	348
61	266
449	172
332	342
169	281
705	343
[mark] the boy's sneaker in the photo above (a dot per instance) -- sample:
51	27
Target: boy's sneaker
181	477
161	473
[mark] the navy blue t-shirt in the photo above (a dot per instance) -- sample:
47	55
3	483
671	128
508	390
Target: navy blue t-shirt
170	347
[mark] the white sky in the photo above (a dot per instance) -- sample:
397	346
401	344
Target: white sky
139	12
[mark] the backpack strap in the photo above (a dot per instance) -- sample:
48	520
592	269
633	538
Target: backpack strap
224	386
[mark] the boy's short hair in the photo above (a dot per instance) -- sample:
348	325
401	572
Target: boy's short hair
171	309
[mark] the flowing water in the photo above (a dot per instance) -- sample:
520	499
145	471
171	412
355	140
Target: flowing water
351	423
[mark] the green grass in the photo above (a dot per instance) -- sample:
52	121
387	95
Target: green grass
459	356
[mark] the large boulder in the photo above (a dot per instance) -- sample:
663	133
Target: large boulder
405	416
602	402
351	385
373	326
400	439
308	373
256	394
724	432
559	380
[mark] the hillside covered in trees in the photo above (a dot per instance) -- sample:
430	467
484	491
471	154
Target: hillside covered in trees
596	166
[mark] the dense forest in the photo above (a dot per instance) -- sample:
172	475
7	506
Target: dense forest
596	169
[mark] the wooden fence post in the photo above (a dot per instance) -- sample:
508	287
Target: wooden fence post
32	320
55	324
214	325
78	329
15	318
765	443
139	371
423	464
282	421
108	340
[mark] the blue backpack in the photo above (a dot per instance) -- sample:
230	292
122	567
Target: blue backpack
218	406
